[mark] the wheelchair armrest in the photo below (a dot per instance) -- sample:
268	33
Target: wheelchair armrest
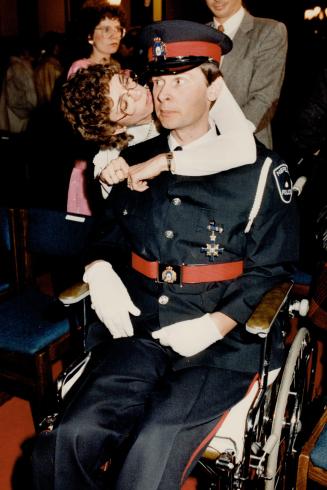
265	313
74	294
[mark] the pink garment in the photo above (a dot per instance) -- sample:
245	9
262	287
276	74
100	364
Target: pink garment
85	63
77	201
78	64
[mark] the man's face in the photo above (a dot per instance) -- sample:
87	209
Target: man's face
181	100
132	103
223	9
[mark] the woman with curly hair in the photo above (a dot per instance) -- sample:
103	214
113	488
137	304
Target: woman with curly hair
87	105
105	105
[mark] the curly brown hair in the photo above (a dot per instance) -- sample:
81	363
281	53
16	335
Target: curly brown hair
86	105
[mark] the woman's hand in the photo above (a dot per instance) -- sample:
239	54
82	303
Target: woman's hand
116	171
137	176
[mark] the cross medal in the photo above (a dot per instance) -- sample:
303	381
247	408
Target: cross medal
213	249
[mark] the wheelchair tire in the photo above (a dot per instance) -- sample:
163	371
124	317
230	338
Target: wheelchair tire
286	422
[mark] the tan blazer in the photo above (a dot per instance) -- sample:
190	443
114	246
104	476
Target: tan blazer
254	70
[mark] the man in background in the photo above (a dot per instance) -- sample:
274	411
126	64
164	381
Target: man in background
254	69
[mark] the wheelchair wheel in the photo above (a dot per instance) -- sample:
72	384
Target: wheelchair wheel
286	422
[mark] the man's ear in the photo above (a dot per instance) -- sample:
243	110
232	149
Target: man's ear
215	89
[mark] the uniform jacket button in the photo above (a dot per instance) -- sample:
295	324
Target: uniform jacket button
169	234
177	201
163	300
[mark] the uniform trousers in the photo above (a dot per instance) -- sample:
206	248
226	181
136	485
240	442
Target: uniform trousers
134	399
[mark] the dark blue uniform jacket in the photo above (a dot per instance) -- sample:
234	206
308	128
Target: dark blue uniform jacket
169	222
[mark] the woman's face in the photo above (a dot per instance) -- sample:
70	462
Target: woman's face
106	37
132	103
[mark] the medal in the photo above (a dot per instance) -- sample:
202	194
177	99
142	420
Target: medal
213	249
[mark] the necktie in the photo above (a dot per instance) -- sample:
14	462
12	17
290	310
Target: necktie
220	28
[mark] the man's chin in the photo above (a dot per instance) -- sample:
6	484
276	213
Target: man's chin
167	126
167	122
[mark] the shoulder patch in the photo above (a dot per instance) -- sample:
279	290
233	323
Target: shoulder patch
283	182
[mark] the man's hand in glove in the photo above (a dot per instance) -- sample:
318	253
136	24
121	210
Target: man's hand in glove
190	336
110	299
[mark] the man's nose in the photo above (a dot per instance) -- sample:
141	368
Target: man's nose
163	93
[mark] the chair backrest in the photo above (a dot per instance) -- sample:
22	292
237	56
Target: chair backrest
54	241
9	255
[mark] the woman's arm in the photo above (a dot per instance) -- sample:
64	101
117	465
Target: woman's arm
234	146
102	162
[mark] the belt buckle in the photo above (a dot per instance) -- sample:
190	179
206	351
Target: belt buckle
170	274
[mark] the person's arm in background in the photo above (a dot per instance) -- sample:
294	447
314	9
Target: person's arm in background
21	91
268	75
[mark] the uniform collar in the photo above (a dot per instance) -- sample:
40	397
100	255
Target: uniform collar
203	140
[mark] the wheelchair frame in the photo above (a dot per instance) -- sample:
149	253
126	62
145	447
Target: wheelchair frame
273	422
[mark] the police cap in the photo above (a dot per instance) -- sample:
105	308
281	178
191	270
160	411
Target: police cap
173	46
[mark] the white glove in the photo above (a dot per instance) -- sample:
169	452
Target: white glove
189	337
110	299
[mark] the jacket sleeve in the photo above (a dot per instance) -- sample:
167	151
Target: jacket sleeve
271	250
268	75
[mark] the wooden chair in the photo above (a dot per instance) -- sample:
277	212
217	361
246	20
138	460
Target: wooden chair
35	328
312	465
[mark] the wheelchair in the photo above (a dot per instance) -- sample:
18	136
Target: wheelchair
262	453
258	443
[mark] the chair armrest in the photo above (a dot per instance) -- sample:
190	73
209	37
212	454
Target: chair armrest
74	294
265	313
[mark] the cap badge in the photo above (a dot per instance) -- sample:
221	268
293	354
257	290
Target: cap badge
158	48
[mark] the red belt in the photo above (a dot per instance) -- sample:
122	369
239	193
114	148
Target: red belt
187	274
